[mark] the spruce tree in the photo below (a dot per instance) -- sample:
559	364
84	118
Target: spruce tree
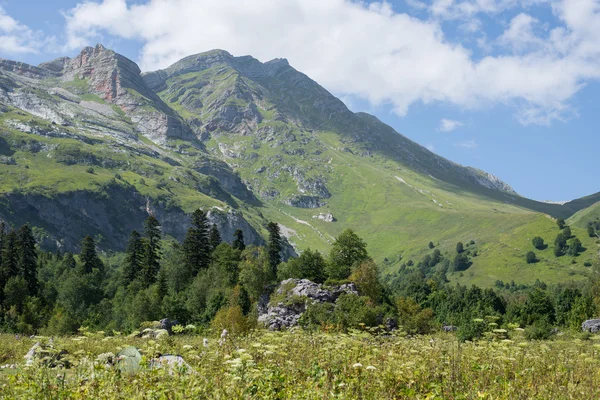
152	251
163	284
215	237
88	256
2	237
196	245
132	264
244	301
10	267
238	240
27	258
274	247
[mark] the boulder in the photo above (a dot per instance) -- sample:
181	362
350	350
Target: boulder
284	308
591	325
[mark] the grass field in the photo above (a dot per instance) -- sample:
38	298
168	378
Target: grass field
301	365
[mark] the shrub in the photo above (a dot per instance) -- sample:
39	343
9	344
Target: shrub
530	257
539	330
90	170
538	243
412	317
232	319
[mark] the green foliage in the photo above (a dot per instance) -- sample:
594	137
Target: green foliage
574	247
431	245
538	243
310	265
347	250
274	247
561	223
461	262
412	317
541	329
152	251
214	237
238	240
530	257
132	264
197	245
459	247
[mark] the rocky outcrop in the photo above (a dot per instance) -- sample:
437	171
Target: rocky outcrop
286	305
325	217
591	325
118	81
66	218
305	202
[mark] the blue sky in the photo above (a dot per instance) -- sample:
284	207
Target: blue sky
507	86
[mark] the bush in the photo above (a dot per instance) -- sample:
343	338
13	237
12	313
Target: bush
413	318
431	245
530	257
90	170
539	330
232	319
538	243
470	330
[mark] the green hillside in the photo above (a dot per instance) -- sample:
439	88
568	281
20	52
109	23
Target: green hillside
581	218
255	143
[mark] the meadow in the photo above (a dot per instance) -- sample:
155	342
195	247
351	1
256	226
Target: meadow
312	365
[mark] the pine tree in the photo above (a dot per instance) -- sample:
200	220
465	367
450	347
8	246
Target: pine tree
27	258
196	245
163	284
215	237
274	247
89	258
238	240
152	251
10	267
244	301
2	237
132	264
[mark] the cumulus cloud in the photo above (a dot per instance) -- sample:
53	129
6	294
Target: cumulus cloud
16	38
448	125
370	51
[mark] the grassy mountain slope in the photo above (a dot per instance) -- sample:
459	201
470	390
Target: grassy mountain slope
261	141
581	218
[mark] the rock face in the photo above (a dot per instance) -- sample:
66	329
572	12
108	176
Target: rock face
296	294
118	81
591	325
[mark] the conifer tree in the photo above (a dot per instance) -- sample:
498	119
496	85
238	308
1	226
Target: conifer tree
591	232
244	301
134	253
89	258
215	237
2	237
10	267
238	240
152	251
274	247
163	284
196	246
459	247
27	258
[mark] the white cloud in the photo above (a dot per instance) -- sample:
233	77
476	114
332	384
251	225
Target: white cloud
370	52
467	144
448	125
16	38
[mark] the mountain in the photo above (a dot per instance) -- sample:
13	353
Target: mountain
91	145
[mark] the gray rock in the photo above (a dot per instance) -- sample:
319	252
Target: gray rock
591	325
167	324
298	294
449	328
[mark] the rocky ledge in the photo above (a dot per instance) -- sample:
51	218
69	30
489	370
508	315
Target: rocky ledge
288	302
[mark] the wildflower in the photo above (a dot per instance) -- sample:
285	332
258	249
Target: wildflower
357	365
371	368
188	347
205	342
